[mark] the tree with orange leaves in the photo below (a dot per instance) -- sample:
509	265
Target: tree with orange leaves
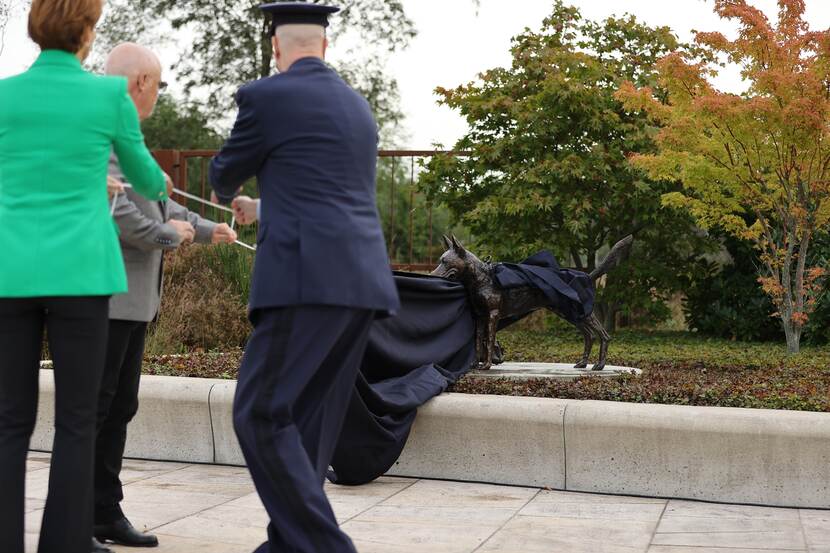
756	164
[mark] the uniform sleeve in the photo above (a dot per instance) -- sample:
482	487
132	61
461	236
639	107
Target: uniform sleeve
204	228
139	167
243	153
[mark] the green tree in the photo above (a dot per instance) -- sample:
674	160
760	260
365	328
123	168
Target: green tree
229	45
7	11
179	127
757	164
408	217
548	168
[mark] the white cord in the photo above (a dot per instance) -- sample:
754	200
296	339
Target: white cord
206	202
114	200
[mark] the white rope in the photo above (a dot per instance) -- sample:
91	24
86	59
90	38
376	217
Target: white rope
244	245
203	201
114	201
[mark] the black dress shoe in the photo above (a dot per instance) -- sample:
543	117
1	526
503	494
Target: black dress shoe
98	547
121	532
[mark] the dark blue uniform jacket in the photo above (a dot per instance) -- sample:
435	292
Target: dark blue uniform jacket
311	141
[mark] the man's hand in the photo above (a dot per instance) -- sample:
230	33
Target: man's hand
114	186
223	234
186	231
244	210
170	185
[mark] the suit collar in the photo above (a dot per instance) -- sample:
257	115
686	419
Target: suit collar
58	58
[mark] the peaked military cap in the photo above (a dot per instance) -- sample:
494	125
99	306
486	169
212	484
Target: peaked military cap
286	13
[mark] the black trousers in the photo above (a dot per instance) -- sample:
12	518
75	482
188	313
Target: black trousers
117	405
295	383
77	332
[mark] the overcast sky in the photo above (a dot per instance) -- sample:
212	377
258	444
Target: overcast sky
456	42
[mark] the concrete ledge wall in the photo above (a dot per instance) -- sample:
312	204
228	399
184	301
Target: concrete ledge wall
707	453
173	421
508	440
778	458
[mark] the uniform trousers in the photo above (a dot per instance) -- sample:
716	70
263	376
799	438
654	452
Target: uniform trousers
77	333
295	384
117	405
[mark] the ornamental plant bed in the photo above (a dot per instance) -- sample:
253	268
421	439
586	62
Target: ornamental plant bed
678	369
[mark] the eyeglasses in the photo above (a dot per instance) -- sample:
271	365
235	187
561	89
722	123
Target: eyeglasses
162	85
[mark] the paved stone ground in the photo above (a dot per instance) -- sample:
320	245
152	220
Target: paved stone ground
211	509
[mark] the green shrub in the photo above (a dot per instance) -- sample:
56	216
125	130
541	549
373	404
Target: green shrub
203	308
727	301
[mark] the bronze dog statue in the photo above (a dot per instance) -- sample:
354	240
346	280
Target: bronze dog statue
491	303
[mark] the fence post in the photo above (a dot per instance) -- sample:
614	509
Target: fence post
170	163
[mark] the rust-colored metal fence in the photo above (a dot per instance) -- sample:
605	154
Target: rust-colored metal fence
407	216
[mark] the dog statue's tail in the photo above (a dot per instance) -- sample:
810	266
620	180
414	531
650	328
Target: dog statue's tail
613	257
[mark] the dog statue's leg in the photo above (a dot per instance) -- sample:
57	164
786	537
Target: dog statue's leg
481	327
604	340
588	336
492	325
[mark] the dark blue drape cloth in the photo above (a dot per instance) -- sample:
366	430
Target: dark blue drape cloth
570	292
418	354
410	359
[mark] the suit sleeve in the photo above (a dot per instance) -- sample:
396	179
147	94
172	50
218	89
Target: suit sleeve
140	231
139	167
243	153
204	228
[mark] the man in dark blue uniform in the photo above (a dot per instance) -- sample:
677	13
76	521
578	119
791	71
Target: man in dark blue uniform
321	273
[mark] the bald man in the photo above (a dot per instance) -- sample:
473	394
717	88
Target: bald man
147	229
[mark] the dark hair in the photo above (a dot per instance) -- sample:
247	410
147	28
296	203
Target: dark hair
61	24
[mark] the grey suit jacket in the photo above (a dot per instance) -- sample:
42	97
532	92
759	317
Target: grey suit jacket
144	237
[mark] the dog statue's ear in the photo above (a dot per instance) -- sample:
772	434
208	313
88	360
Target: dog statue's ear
447	242
458	246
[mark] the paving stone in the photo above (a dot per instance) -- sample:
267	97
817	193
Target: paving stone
678	525
716	510
178	544
30	542
37	484
432	493
579	497
492	517
567	505
37	461
350	501
149	507
34	504
816	528
725	533
680	549
224	482
32	520
134	471
525	534
239	531
412	537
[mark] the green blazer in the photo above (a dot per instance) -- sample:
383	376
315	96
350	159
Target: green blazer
58	126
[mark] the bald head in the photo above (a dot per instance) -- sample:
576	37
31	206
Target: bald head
143	71
130	60
296	41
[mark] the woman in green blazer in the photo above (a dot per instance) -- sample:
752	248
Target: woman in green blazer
61	260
